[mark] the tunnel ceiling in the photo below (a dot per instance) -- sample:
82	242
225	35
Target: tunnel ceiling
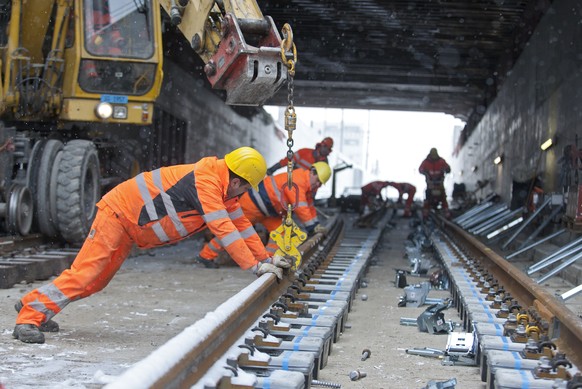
434	55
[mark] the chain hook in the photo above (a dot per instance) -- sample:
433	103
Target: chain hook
287	45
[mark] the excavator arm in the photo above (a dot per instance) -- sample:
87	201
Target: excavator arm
240	47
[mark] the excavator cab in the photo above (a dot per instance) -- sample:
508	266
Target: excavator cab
120	34
120	61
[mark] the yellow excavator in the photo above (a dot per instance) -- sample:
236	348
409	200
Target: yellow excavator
73	70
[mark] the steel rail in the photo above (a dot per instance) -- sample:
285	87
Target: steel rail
210	338
565	326
9	244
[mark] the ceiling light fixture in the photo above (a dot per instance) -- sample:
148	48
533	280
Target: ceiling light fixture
547	144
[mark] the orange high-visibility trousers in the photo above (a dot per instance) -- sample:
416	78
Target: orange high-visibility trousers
100	257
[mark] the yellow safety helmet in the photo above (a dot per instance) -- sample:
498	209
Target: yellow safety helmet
323	171
247	163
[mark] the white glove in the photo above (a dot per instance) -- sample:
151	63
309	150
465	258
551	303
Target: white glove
269	268
281	261
319	229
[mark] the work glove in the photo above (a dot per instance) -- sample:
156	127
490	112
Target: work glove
280	261
319	229
265	267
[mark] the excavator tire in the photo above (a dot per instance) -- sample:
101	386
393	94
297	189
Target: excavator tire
46	188
78	189
125	164
32	174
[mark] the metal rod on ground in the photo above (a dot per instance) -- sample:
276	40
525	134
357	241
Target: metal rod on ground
556	256
484	216
501	220
489	222
487	207
571	293
542	225
506	227
526	223
471	212
558	269
523	250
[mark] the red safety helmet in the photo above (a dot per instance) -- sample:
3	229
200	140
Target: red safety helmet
327	141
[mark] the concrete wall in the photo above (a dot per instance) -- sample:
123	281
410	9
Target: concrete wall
214	128
541	98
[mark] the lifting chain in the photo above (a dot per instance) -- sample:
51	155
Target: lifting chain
288	236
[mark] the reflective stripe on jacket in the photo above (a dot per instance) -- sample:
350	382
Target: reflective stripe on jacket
171	203
272	200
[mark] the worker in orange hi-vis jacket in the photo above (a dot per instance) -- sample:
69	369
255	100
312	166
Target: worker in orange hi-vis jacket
434	168
267	204
153	209
404	188
371	192
304	158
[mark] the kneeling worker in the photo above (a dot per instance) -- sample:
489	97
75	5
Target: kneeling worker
404	188
267	203
151	210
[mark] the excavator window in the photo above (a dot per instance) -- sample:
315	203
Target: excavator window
119	28
118	31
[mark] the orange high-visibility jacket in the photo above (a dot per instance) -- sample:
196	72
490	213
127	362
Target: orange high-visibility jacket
434	170
273	196
403	187
172	203
303	158
374	188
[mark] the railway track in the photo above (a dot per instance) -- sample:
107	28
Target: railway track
250	341
282	334
30	258
524	336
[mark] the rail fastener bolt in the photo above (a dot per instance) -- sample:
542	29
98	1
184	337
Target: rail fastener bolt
366	353
356	375
325	384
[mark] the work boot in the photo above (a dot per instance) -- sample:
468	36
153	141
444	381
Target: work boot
28	333
49	326
207	263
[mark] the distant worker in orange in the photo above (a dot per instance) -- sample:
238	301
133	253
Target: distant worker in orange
102	37
408	189
434	168
372	194
304	158
154	209
267	205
